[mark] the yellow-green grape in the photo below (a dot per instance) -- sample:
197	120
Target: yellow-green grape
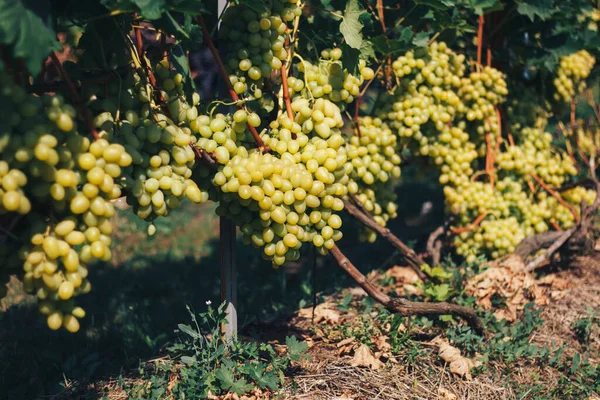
374	162
160	148
65	183
571	74
255	42
329	80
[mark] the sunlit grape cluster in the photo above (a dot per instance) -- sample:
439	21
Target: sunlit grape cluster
375	162
161	149
65	185
255	42
328	79
571	74
451	117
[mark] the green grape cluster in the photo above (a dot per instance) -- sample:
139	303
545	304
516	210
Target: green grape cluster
222	134
329	80
572	72
159	141
374	160
451	116
66	185
533	153
286	198
255	42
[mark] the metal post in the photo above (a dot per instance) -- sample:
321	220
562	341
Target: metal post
228	276
227	248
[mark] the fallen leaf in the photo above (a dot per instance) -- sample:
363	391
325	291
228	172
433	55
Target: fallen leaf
344	396
403	274
364	357
459	365
445	394
346	346
507	279
357	291
323	312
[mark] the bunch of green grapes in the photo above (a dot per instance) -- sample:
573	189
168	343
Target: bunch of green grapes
222	134
572	72
510	216
255	42
286	198
160	142
374	160
65	185
435	96
329	80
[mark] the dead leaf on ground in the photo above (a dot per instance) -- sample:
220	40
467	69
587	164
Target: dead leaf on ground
344	396
459	365
507	279
346	346
445	394
364	357
323	312
403	274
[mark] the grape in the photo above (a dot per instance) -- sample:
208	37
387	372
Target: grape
62	183
254	43
572	72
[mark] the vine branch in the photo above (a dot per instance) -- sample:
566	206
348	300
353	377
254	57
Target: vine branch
555	195
402	306
411	257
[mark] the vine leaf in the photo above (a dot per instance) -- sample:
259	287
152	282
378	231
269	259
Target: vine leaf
482	7
421	39
29	34
351	27
182	65
532	8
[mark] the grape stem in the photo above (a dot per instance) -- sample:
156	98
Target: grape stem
471	226
204	155
77	100
480	39
411	257
402	306
555	195
139	41
286	92
355	119
215	53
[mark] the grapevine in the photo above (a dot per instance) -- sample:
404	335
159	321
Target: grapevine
277	153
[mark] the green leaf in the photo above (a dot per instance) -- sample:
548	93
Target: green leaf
421	39
350	26
532	8
484	6
350	58
255	5
28	34
296	348
436	4
188	331
229	383
187	360
576	363
149	9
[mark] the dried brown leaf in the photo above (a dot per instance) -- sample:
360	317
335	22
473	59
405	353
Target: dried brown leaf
445	394
459	365
364	357
403	274
323	312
